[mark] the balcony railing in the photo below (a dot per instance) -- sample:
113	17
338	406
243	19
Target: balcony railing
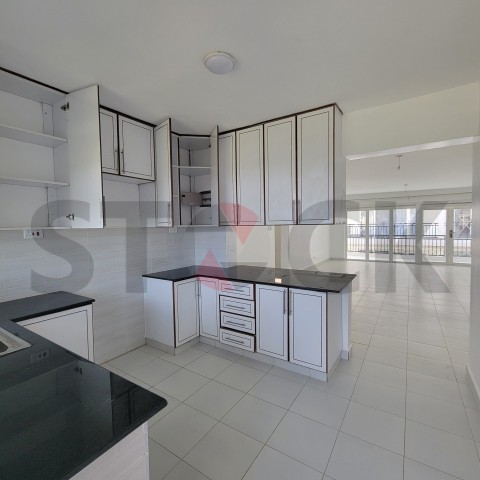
404	241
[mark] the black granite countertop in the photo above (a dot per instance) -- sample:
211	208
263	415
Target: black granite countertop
306	279
60	413
38	305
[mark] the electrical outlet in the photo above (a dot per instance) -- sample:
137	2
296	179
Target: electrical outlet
39	356
172	230
32	233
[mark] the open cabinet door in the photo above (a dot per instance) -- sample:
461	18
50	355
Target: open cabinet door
163	162
79	162
214	176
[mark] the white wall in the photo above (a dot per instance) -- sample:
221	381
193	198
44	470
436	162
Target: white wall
255	245
308	245
211	246
445	115
474	356
106	265
338	241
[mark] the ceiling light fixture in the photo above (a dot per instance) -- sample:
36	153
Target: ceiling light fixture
399	157
219	62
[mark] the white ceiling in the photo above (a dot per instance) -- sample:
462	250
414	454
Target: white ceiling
449	167
147	55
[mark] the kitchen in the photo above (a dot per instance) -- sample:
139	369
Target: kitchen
107	264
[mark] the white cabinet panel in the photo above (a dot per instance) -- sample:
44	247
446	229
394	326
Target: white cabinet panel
315	154
280	175
186	311
227	179
136	149
236	289
163	162
71	329
272	321
108	130
249	143
209	323
307	328
78	162
237	305
237	322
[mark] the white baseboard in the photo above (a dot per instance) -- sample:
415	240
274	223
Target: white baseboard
473	385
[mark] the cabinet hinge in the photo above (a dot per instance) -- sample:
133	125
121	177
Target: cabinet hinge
66	106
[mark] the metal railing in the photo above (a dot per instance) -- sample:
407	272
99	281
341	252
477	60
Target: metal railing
404	239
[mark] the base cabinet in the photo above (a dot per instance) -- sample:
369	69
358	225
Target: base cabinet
71	329
186	311
208	307
307	329
272	321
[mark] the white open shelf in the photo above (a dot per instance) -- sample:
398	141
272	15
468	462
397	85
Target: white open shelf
31	182
192	171
22	135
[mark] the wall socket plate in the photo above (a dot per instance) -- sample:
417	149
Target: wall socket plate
32	233
172	230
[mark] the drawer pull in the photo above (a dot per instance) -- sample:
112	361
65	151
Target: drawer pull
234	289
235	323
233	306
233	340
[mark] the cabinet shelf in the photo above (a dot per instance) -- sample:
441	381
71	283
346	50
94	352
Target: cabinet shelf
22	135
192	171
31	182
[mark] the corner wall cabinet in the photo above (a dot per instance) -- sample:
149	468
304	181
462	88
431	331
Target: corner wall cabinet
50	156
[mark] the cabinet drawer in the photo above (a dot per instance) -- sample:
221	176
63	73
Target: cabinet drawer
236	289
237	322
237	305
240	340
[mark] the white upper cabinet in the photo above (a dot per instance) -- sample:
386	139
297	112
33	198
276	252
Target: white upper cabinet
136	149
49	155
163	183
227	179
109	133
249	143
280	172
315	166
78	162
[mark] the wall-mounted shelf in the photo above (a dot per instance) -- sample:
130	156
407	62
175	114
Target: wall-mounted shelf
22	135
31	182
124	179
192	171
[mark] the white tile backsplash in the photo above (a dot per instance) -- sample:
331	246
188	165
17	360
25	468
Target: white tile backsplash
106	265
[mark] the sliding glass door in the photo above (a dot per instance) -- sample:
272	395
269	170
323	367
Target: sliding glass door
429	235
434	235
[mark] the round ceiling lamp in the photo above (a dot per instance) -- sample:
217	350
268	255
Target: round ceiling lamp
219	62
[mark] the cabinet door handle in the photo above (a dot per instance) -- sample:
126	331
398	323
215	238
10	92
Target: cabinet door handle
284	302
123	160
293	210
291	303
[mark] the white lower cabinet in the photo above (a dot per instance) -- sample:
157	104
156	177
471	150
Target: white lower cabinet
71	329
186	311
272	321
208	307
307	329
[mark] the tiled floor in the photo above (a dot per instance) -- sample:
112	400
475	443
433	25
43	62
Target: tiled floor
399	409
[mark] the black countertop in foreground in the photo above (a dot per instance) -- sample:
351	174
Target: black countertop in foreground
59	414
307	279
